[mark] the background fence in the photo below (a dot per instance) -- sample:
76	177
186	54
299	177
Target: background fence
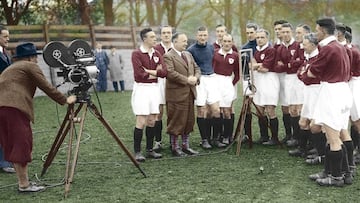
125	39
40	35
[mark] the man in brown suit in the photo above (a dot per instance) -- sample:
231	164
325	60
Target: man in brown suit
180	93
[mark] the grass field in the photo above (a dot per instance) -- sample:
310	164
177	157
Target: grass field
105	174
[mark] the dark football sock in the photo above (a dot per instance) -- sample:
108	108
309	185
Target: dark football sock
295	127
336	162
345	162
274	126
263	125
354	136
350	152
287	124
149	131
158	130
216	128
137	139
202	128
227	128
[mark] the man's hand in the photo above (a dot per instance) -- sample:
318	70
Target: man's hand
71	99
192	80
310	74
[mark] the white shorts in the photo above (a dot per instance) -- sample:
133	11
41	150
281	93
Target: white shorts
207	91
333	105
311	93
354	84
145	98
267	88
281	78
294	89
226	89
162	83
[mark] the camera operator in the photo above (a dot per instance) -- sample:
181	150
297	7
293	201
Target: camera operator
18	84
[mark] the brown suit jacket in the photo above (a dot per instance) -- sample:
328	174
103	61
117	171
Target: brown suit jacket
177	89
18	84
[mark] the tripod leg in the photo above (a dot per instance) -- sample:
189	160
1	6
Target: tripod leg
68	162
242	116
70	173
113	134
64	129
242	123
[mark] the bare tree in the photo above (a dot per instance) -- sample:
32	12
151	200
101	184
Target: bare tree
108	12
150	12
15	10
224	10
84	10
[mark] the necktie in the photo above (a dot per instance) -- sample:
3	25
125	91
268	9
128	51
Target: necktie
184	57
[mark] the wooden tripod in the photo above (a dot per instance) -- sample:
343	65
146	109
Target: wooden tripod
239	134
67	125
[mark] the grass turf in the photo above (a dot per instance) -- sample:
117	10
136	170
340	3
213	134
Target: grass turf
105	174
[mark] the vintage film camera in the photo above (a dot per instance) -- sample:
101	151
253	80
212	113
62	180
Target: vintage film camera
246	56
76	64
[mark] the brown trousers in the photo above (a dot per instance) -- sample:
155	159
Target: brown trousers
180	116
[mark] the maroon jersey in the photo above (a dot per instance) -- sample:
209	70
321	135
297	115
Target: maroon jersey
266	56
355	63
333	64
302	71
277	44
160	48
285	54
298	58
226	64
141	60
349	53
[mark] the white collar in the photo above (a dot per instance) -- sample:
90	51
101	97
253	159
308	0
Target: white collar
278	41
165	48
327	40
263	47
342	42
349	45
150	52
312	54
290	43
1	49
221	51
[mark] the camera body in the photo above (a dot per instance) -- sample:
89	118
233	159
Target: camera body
76	64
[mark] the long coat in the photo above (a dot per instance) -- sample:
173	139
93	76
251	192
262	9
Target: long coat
179	94
116	66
